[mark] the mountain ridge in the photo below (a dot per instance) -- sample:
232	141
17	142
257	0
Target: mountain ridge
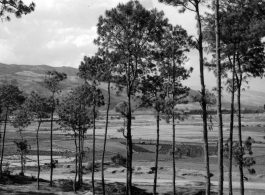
30	77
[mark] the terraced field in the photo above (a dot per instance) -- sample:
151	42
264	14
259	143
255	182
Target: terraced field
188	137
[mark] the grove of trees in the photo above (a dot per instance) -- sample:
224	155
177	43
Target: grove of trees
143	56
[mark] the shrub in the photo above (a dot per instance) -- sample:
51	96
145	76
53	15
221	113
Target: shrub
238	154
6	170
89	166
119	159
252	171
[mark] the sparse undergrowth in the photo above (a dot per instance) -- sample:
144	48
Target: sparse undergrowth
14	184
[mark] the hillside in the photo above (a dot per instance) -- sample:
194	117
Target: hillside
30	78
250	99
13	69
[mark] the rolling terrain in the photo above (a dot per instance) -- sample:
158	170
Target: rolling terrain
30	78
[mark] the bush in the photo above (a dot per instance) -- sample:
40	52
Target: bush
21	173
6	170
252	171
119	159
89	166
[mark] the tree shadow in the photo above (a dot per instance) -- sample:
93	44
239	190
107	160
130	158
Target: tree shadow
190	191
19	180
34	193
4	191
115	188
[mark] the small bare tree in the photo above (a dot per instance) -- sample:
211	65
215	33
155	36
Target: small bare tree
21	121
52	83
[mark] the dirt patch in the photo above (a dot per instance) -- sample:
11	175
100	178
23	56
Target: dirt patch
190	150
137	148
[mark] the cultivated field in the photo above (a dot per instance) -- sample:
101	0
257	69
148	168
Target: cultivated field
190	164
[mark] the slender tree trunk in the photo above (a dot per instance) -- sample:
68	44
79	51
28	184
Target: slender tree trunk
3	145
93	160
52	163
21	154
0	140
21	162
82	154
76	158
204	109
23	165
129	147
105	140
79	160
157	149
231	144
173	155
38	155
219	102
173	125
231	133
240	142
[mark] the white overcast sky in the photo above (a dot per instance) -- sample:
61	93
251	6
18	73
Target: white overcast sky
61	32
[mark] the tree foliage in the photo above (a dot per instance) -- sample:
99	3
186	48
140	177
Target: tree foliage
16	7
89	69
22	119
11	97
241	32
75	111
53	79
38	106
129	30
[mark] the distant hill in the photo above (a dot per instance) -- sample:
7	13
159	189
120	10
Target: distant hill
13	69
250	99
30	77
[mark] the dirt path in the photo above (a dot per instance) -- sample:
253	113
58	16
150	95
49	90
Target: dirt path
144	181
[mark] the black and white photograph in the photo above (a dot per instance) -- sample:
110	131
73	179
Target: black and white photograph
132	97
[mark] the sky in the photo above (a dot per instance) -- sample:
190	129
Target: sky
61	33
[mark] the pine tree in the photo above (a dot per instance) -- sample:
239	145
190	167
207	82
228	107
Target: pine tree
11	98
128	30
38	107
75	113
90	71
194	6
242	52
